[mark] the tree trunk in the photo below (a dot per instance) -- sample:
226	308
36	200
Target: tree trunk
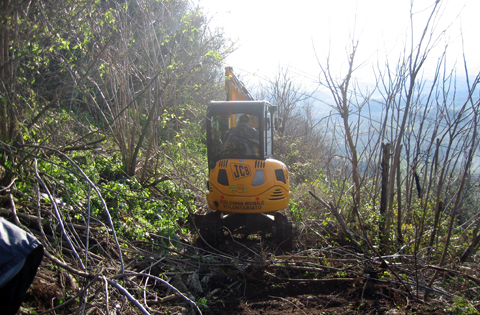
471	248
384	193
399	207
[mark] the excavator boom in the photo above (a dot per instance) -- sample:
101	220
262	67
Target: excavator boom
236	90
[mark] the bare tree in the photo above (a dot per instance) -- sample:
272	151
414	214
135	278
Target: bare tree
287	95
346	101
430	131
301	143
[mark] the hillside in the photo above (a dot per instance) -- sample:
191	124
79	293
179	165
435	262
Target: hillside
103	157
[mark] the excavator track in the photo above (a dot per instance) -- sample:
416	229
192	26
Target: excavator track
283	229
213	226
209	227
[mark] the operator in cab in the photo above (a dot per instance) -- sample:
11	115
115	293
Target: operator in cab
242	139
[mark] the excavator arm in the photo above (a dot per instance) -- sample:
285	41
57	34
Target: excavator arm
235	89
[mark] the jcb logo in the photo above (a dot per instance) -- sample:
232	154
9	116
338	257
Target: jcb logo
240	171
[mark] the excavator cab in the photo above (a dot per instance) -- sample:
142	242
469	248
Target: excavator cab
247	188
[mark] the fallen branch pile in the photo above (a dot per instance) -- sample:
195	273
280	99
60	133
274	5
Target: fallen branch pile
160	274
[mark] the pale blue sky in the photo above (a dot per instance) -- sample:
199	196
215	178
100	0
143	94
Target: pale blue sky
270	33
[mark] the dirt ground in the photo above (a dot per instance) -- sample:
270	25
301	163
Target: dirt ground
260	281
300	291
314	298
268	297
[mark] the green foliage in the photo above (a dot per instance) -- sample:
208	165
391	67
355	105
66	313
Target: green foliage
135	211
296	211
121	87
202	303
462	306
303	205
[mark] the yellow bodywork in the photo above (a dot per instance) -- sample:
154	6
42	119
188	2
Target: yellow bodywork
245	191
235	89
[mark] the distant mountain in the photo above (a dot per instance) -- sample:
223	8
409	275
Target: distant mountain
372	115
323	102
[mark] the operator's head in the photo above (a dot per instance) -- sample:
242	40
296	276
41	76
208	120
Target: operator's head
244	119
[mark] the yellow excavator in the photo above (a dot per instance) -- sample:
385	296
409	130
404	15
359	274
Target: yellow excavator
247	189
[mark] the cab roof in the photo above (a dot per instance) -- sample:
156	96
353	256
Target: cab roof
249	107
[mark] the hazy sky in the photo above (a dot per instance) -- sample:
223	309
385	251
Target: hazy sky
273	33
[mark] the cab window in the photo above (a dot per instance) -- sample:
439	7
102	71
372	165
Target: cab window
268	134
235	136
